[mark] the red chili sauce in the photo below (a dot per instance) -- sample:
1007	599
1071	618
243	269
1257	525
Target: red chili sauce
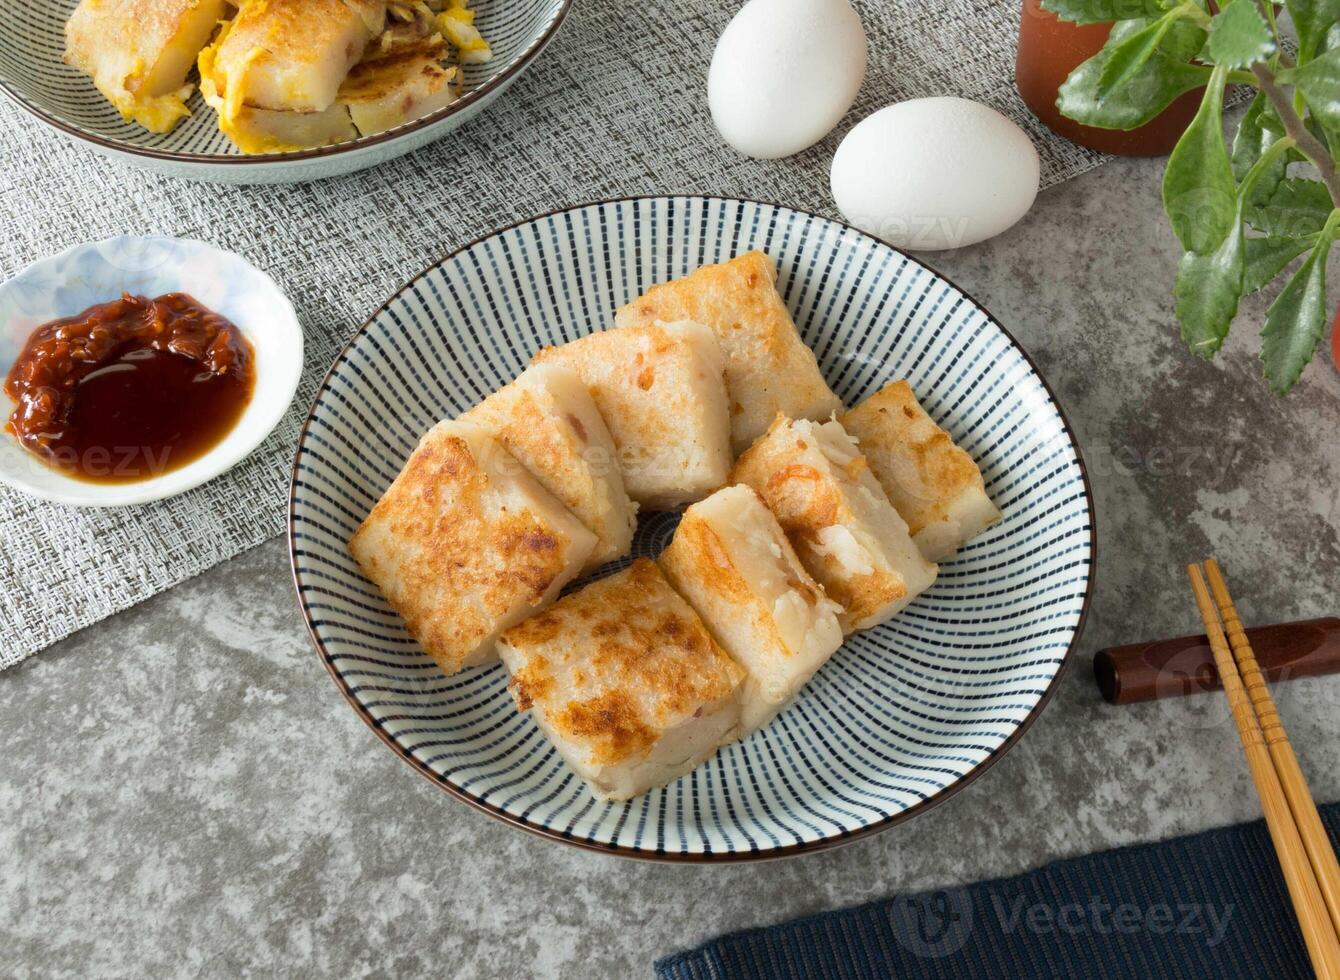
131	389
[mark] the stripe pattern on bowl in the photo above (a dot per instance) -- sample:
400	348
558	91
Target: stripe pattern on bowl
901	714
32	70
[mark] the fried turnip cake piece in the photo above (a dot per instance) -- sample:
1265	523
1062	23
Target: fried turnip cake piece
730	559
661	389
548	421
626	681
139	52
290	55
847	534
394	84
391	87
933	484
465	544
768	367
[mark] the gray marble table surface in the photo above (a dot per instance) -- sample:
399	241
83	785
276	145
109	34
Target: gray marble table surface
185	792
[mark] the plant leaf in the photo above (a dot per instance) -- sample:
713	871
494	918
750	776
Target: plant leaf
1319	81
1296	321
1297	207
1162	78
1311	20
1207	292
1327	137
1133	53
1267	257
1101	11
1183	41
1210	286
1257	130
1239	35
1198	188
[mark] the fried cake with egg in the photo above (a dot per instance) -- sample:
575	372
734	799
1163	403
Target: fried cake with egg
140	52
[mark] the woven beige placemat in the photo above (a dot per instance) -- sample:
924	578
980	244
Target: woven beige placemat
615	107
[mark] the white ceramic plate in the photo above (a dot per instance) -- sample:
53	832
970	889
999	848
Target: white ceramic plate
900	718
32	40
71	282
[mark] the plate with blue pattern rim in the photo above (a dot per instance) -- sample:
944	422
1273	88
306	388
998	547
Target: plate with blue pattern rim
900	718
33	75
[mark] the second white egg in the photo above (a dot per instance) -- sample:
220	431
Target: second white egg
935	173
784	72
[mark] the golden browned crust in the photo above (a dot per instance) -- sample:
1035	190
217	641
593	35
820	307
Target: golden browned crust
923	470
611	723
661	391
863	595
398	71
282	30
528	685
131	29
612	364
768	368
547	420
616	664
697	552
449	566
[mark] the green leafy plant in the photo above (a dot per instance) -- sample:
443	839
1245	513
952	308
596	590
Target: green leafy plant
1243	213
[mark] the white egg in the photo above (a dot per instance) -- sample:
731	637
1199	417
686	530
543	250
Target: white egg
935	173
784	72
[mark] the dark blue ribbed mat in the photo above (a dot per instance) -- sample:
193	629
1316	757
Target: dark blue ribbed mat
1212	905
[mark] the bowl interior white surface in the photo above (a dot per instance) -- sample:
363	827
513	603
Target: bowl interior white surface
32	72
901	716
71	282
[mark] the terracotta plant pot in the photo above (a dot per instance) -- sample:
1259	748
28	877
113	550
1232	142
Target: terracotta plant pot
1049	49
1335	340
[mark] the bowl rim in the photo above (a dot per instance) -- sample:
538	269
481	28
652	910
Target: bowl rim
107	495
493	85
707	857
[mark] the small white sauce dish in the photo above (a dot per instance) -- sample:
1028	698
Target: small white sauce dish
86	275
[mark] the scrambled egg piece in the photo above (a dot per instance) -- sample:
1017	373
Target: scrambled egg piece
457	24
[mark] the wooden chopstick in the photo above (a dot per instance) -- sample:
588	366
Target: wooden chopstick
1303	807
1314	921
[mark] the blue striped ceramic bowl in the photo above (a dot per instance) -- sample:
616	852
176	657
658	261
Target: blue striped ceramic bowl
33	74
902	716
